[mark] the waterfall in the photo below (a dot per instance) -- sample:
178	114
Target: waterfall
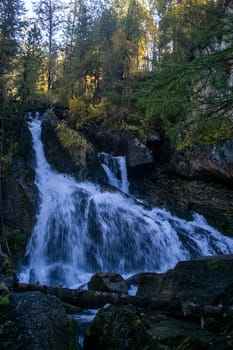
116	171
80	230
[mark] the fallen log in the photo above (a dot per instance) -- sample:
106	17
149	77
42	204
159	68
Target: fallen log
80	298
89	299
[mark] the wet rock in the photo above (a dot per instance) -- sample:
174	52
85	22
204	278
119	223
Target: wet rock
118	328
199	281
108	282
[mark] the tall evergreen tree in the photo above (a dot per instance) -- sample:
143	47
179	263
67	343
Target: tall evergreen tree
10	26
50	17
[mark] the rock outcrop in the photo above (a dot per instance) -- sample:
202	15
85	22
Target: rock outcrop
139	155
19	194
20	197
198	281
214	162
213	200
69	152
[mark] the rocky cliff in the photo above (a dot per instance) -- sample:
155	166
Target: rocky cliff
19	196
214	162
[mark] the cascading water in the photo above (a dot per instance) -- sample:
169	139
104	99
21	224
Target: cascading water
116	171
81	229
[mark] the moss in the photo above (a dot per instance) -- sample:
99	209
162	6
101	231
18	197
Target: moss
74	143
119	328
216	265
16	240
70	336
30	175
138	323
191	344
7	268
4	302
70	138
8	156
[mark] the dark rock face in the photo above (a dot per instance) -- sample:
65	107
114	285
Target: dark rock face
203	282
172	333
108	282
79	159
109	141
214	201
20	197
206	162
118	328
139	156
32	321
8	280
198	281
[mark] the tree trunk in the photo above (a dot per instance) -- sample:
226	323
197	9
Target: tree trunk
88	299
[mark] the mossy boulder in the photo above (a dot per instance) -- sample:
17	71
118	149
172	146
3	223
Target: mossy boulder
108	282
68	151
118	328
33	320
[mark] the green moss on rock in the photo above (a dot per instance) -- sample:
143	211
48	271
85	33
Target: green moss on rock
118	327
70	335
4	302
74	143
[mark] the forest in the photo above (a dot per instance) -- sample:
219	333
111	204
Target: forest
139	65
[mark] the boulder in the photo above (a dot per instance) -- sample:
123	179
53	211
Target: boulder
214	162
118	328
108	282
138	157
198	281
68	151
32	321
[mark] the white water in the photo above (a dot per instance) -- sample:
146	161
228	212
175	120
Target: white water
81	230
116	171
